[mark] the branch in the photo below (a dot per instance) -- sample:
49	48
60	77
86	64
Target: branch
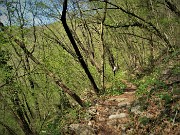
9	129
56	40
173	8
99	9
136	24
131	34
2	85
156	30
2	26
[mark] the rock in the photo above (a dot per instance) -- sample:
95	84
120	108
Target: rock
118	116
136	109
101	119
130	131
86	130
92	111
112	122
91	123
123	104
123	130
148	115
73	127
80	129
112	110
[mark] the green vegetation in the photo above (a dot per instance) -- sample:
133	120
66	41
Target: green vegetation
49	75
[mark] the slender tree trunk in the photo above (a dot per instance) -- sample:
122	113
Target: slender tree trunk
21	114
9	129
103	47
172	7
78	53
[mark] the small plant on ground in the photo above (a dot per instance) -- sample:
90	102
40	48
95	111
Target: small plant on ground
116	89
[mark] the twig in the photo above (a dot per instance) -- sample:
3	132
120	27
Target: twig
175	117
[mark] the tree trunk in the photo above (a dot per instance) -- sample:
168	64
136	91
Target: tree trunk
21	114
78	53
9	129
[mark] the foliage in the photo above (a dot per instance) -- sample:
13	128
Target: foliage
144	120
5	69
118	86
166	97
144	84
136	36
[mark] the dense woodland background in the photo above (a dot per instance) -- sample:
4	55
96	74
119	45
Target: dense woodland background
54	61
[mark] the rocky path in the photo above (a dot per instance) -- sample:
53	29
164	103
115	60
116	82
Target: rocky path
155	114
109	116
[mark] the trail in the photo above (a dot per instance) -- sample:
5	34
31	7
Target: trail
112	114
154	113
109	116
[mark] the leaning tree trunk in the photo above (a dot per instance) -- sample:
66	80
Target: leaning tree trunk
78	53
24	121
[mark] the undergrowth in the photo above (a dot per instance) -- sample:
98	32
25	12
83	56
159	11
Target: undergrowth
159	97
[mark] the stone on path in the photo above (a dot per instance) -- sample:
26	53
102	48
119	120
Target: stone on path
123	104
118	116
136	109
81	129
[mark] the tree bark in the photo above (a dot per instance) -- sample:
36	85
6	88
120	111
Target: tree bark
78	53
21	114
9	129
173	7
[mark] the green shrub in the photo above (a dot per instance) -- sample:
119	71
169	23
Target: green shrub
144	120
116	89
166	97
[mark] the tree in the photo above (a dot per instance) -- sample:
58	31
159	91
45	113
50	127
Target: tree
78	53
25	85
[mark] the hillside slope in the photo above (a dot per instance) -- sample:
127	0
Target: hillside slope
154	112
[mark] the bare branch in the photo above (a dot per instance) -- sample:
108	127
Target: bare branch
173	7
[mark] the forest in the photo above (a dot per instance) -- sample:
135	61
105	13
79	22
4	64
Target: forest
89	67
